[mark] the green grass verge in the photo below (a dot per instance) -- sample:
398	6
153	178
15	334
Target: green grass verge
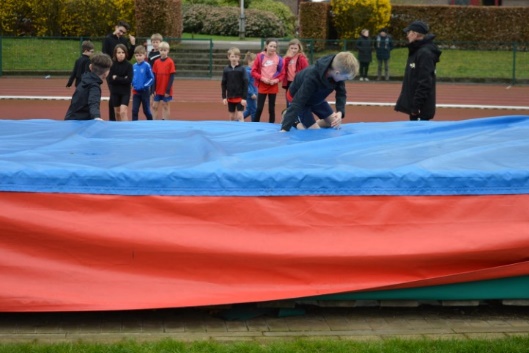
511	345
40	55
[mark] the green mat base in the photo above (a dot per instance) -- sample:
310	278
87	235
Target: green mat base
500	289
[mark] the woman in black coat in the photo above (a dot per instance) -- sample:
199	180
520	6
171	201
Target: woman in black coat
364	45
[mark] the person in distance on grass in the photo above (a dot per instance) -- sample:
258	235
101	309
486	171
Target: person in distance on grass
82	64
164	70
87	96
364	46
234	85
308	92
142	81
383	47
417	96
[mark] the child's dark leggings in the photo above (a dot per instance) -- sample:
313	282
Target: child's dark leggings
261	97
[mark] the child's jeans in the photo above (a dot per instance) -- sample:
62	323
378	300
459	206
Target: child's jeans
251	107
143	98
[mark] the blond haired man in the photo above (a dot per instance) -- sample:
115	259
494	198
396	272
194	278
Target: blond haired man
308	92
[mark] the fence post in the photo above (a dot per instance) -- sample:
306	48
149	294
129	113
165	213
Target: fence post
1	70
210	58
312	44
514	45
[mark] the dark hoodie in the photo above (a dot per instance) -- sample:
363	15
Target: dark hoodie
417	96
86	99
124	72
310	87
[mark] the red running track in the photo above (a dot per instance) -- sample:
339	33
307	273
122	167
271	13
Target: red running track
201	100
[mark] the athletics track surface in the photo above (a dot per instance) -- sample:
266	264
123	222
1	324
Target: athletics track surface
37	97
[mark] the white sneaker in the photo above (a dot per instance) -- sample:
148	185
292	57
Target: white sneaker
366	79
361	78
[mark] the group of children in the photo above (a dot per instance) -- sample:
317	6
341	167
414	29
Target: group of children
306	87
151	76
245	91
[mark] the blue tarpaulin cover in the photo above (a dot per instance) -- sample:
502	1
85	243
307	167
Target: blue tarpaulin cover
472	157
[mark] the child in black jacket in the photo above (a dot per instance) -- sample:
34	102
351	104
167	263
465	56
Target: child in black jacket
87	97
119	81
82	64
234	85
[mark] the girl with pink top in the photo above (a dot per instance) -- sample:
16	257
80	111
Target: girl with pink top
267	71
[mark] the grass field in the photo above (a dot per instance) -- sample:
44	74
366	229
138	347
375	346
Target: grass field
510	345
27	54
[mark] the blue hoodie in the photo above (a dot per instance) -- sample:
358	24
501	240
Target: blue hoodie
252	88
143	77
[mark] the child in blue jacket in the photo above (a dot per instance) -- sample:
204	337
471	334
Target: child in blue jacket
251	101
142	80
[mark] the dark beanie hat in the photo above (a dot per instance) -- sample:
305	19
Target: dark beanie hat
417	26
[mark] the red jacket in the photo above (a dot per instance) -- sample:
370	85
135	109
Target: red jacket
302	63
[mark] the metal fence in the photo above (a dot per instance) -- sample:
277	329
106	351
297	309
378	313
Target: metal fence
57	55
460	61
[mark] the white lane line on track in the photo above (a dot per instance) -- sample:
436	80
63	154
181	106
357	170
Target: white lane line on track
441	105
43	98
370	104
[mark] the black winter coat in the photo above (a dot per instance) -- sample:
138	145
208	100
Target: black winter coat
234	82
383	47
86	99
81	66
418	87
364	45
310	87
112	40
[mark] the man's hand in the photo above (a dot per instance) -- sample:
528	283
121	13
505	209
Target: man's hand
337	120
132	39
334	120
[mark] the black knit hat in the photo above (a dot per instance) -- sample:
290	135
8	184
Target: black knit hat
417	26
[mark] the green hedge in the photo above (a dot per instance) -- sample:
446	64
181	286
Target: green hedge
449	23
224	21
